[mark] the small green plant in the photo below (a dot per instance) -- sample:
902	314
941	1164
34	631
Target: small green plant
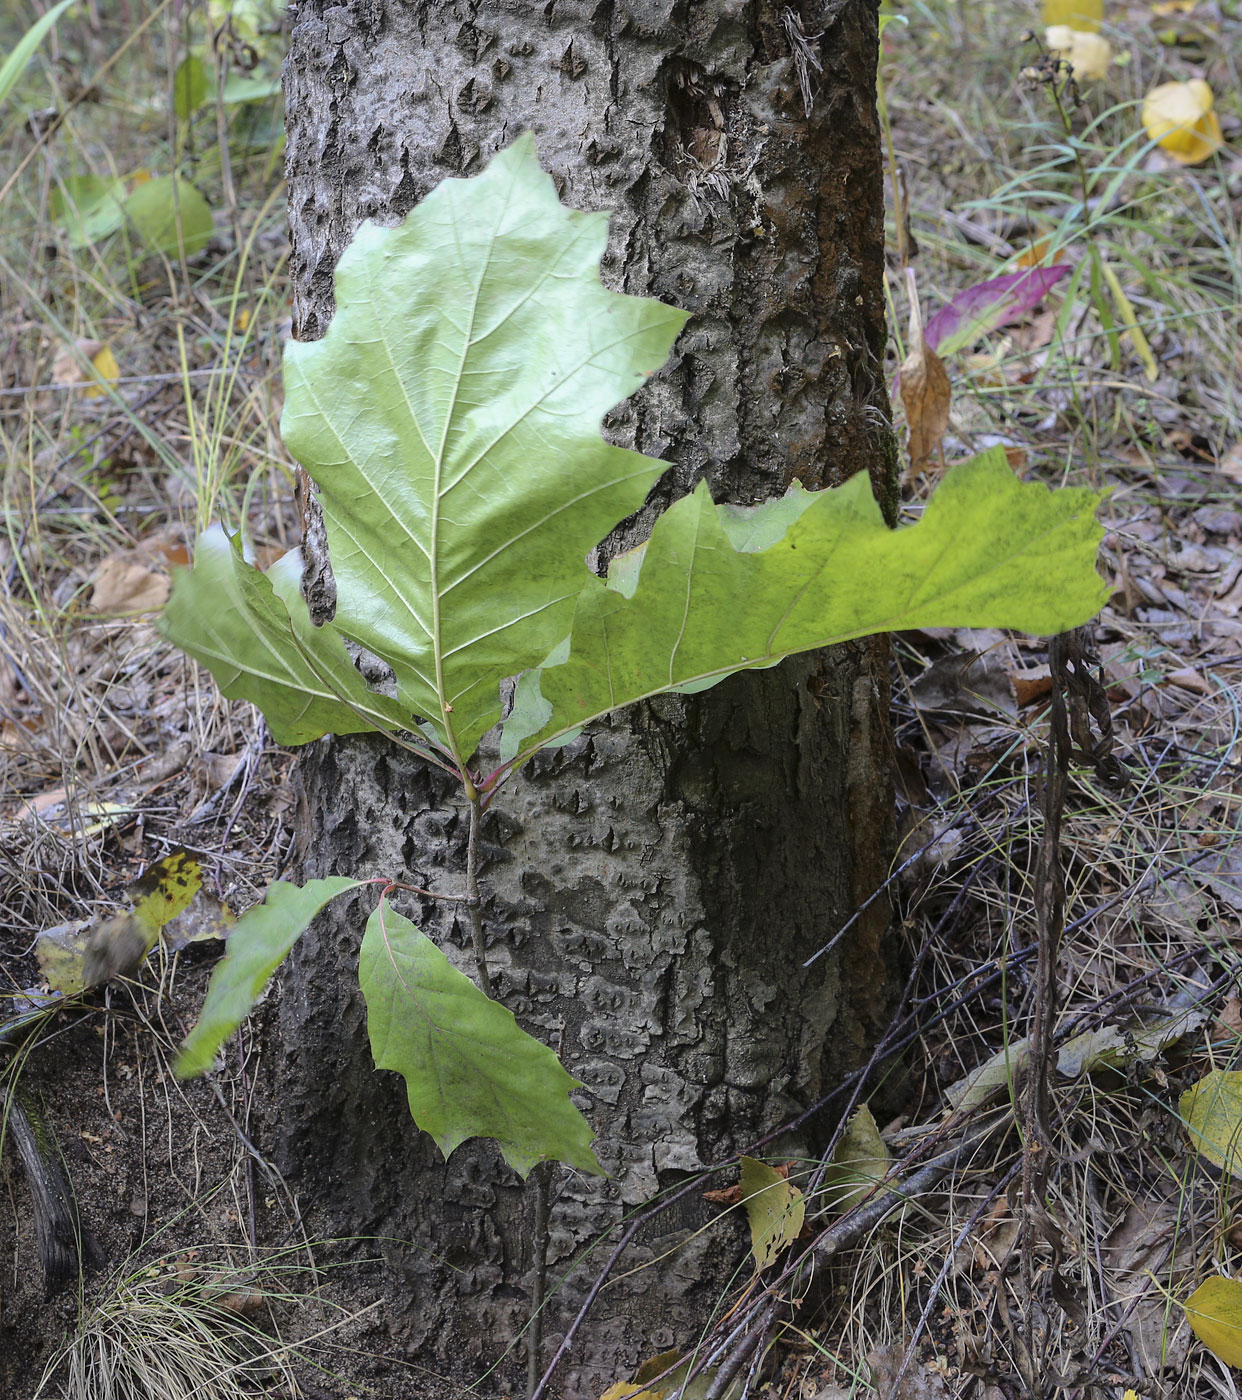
450	419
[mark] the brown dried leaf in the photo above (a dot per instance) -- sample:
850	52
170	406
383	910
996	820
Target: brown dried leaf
125	583
1187	678
1229	1022
1231	463
67	368
925	390
926	394
1030	686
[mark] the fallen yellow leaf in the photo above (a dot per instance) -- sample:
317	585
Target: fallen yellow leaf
924	388
1087	54
1180	119
1214	1311
1212	1112
103	361
774	1208
124	583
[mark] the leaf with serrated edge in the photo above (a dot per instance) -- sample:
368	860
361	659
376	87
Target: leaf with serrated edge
469	1068
254	634
259	942
450	419
989	551
775	1210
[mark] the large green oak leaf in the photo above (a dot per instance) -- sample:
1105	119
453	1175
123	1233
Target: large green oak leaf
470	1069
450	420
721	589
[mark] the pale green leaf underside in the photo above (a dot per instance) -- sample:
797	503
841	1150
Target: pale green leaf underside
470	1070
700	601
258	943
450	420
254	634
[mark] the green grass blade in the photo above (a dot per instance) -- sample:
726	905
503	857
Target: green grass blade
16	62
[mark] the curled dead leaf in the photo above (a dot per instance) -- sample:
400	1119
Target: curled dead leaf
1087	54
925	390
1030	686
1179	118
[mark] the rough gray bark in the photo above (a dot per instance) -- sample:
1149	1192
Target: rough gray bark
653	890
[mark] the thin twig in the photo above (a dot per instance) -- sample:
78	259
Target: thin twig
900	1193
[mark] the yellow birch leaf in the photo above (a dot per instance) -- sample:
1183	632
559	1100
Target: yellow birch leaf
655	1367
860	1162
60	951
165	889
775	1209
103	362
1180	119
1214	1311
1212	1112
1088	55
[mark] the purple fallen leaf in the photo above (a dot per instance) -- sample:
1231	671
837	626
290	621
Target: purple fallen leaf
988	305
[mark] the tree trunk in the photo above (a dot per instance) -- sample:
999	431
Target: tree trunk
653	890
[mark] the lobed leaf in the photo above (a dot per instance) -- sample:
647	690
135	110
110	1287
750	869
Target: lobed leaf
259	942
450	419
469	1068
254	634
989	551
